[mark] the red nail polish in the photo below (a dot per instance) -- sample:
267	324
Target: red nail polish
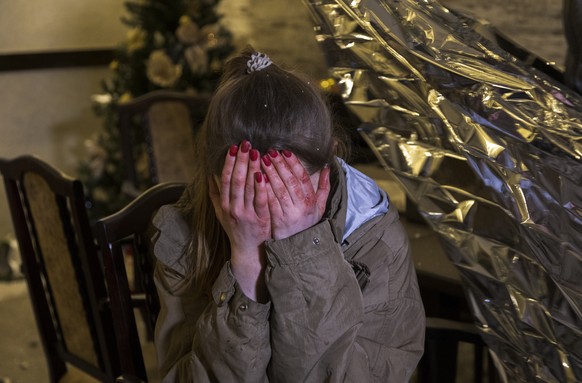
266	161
258	177
286	153
272	153
233	150
245	146
254	154
266	178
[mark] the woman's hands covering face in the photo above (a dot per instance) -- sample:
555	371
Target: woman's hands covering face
278	203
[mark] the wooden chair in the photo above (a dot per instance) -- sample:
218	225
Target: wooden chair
131	226
166	122
62	269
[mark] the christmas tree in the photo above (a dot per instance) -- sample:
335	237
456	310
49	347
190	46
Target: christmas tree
171	44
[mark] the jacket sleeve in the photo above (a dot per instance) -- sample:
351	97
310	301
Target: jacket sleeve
225	339
323	328
316	308
217	337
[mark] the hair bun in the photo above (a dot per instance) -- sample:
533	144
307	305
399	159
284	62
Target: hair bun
257	62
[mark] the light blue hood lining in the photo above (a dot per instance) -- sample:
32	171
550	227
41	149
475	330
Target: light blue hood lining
365	199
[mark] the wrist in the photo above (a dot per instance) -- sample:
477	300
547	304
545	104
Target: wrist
248	270
247	257
246	267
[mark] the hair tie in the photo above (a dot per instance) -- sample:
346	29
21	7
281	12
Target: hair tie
258	61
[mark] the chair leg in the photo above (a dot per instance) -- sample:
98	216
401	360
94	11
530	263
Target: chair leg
492	370
56	368
478	364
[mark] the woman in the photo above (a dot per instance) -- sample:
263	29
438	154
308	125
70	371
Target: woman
281	263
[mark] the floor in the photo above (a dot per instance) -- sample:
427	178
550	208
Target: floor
284	31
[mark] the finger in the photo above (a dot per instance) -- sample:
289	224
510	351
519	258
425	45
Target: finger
274	205
261	200
226	175
298	171
254	167
282	181
291	181
323	189
238	179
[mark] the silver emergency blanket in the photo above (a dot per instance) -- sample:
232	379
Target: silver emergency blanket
489	149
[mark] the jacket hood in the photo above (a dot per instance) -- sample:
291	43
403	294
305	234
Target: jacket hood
355	199
365	199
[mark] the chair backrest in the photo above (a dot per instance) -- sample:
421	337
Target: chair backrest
166	121
120	234
62	268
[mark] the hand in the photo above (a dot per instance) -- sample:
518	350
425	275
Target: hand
241	201
294	202
241	206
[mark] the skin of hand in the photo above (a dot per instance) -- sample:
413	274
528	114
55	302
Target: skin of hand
296	200
240	201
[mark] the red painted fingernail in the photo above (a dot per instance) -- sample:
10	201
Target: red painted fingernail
254	154
245	146
272	153
286	153
258	177
233	150
266	161
266	178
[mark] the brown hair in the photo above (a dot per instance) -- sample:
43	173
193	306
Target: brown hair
273	109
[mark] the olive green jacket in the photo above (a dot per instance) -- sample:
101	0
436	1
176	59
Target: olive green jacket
320	324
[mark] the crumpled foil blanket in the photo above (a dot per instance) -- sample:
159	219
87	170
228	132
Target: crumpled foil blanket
490	150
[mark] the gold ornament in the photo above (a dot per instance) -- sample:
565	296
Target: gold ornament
161	70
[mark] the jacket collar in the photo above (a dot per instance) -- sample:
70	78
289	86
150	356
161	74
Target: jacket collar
337	203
